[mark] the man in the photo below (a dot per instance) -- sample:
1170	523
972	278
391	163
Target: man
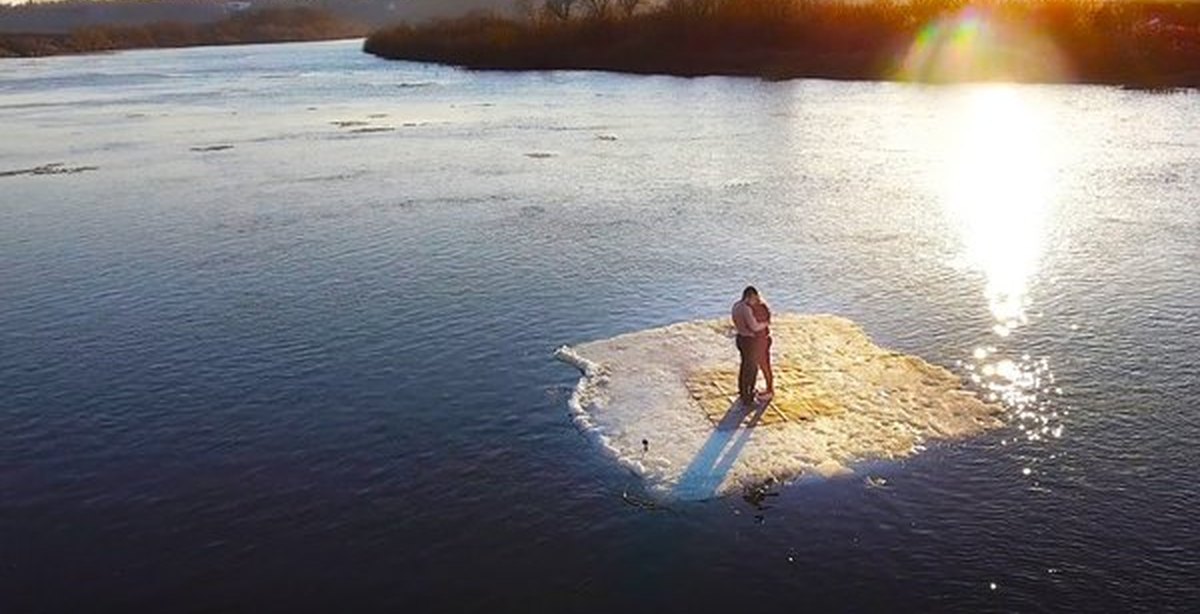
747	343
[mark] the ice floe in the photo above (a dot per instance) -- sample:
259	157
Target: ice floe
661	402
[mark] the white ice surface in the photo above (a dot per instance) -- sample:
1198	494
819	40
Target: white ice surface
633	390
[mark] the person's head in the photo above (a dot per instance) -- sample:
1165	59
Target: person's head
750	295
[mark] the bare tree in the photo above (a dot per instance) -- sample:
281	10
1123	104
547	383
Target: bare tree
693	8
559	9
629	6
599	9
525	10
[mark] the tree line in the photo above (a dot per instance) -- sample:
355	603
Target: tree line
255	26
1144	43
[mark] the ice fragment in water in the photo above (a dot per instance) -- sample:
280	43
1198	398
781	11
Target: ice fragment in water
839	399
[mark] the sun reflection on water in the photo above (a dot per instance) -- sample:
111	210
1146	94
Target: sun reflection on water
998	189
999	192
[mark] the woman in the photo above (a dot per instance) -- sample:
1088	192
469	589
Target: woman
762	313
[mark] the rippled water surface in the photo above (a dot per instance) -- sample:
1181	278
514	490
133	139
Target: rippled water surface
277	333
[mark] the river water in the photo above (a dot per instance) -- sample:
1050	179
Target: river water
276	333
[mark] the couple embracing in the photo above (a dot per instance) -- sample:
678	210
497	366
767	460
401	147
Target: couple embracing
752	319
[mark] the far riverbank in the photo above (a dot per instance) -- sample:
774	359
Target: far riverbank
1143	44
264	26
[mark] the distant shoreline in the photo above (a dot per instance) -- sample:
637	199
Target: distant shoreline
1144	45
254	27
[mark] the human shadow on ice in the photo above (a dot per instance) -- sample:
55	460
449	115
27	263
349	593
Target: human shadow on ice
716	457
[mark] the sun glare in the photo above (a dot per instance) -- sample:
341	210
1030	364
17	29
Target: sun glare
998	189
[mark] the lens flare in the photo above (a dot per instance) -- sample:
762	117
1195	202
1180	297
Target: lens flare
977	44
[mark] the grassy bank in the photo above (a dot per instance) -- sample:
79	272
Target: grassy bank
1145	44
264	26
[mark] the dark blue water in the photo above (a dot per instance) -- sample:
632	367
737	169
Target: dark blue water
313	372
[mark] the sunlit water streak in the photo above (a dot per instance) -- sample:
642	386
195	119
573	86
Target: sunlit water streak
1002	157
315	367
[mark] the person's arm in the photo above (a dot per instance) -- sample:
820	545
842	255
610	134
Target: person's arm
748	318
